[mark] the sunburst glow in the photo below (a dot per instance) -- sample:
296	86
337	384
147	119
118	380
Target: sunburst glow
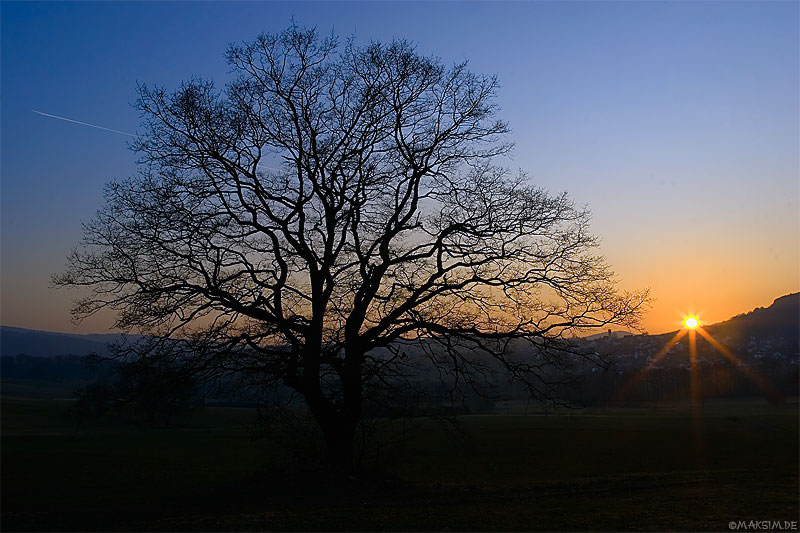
691	328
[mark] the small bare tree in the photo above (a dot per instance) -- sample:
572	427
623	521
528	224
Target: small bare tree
333	206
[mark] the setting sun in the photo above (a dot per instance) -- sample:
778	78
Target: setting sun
691	322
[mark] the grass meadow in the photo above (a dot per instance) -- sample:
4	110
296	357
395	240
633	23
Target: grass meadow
599	469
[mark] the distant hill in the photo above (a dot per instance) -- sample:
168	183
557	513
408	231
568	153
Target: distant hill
604	335
781	318
772	331
20	341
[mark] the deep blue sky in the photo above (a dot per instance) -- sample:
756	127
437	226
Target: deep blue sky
676	122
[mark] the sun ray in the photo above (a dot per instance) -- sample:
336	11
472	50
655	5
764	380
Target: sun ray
696	392
692	326
637	378
695	379
762	383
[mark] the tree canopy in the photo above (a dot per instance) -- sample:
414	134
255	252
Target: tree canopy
329	207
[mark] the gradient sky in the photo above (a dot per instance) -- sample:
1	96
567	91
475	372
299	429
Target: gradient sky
677	123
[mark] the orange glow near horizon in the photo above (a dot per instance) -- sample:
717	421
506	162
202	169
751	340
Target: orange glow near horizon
698	279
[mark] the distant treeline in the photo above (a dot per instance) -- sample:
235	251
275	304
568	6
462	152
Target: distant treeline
55	368
104	384
776	380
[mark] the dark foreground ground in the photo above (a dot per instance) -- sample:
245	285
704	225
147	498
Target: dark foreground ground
623	469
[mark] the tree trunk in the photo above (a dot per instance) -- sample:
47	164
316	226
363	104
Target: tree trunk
338	423
339	444
338	430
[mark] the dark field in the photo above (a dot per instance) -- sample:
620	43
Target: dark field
622	469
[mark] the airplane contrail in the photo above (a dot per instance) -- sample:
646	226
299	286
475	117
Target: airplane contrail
83	123
109	129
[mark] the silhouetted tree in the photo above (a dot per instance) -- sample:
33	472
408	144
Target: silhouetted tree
156	390
332	217
94	399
